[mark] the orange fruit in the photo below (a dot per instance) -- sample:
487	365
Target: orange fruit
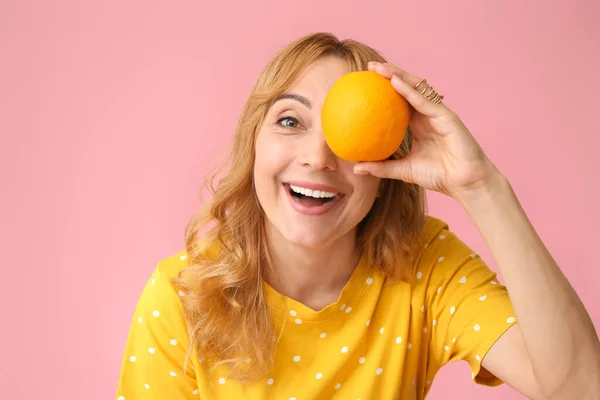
363	117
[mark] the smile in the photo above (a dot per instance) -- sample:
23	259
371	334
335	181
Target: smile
314	199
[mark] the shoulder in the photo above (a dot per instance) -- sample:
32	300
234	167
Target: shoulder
438	237
433	227
170	267
442	252
160	290
435	234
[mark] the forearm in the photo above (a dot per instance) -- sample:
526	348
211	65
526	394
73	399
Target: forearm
558	333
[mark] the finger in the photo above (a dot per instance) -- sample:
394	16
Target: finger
390	169
389	70
416	99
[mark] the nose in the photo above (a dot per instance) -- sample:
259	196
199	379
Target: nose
316	153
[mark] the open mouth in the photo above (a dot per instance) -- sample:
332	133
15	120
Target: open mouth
312	198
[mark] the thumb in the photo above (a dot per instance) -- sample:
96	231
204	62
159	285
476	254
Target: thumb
390	169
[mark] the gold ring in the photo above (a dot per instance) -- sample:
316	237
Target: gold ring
428	91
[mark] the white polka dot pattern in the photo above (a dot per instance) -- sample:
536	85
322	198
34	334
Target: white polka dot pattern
455	289
155	362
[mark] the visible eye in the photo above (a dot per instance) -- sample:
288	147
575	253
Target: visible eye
288	122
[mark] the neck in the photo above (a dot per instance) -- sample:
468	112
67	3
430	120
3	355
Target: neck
313	276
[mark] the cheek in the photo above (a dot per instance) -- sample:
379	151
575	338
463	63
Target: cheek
272	156
365	190
261	166
272	153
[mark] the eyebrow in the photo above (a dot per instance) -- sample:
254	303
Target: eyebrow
294	96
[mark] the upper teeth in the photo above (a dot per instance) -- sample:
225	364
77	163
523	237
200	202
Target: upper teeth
318	194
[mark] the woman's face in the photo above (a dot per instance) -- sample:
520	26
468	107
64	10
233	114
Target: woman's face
310	197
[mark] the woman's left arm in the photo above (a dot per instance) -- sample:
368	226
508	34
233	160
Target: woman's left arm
555	336
553	351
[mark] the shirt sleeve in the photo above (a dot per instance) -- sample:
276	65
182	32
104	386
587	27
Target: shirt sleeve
155	353
467	307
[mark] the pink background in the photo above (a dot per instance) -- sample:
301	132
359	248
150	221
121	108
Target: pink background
112	113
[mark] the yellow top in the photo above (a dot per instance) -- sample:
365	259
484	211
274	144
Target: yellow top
380	340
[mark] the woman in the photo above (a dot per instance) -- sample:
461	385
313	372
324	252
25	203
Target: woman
322	278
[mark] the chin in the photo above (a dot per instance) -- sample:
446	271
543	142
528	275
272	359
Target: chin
308	238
